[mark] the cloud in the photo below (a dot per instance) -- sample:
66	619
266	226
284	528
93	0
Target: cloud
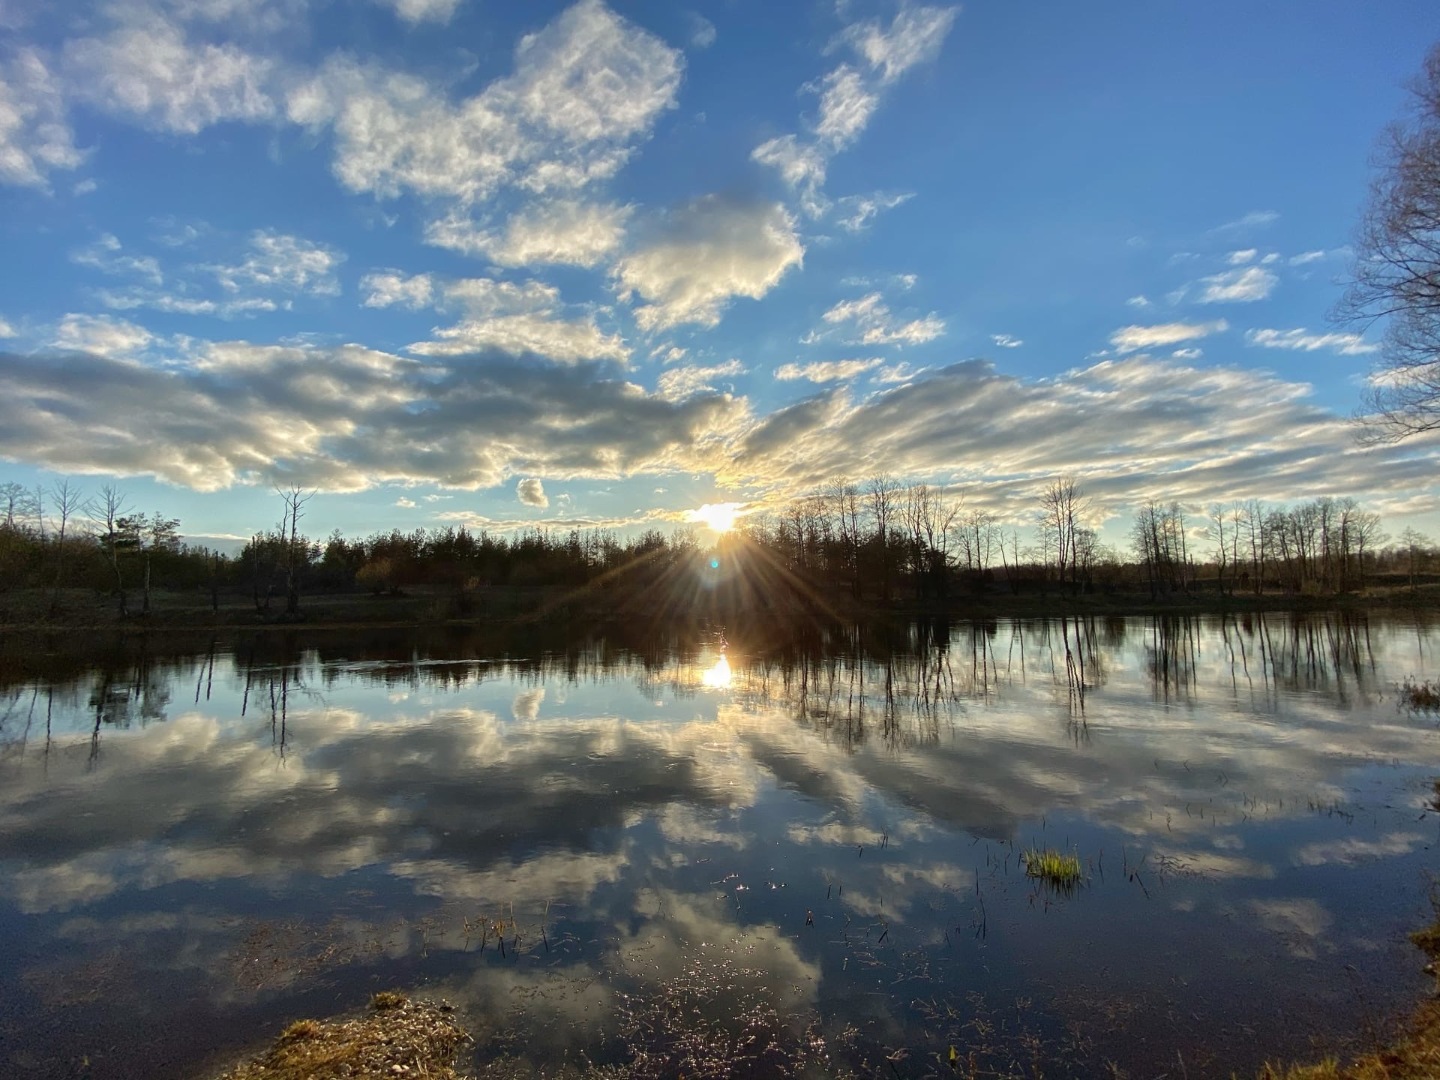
856	212
515	318
405	504
1240	258
876	325
824	371
1131	429
699	257
1255	219
1238	286
104	255
281	263
913	37
849	96
147	70
531	492
1141	301
6	330
702	30
1300	339
1130	338
1187	354
389	288
683	382
35	135
564	231
101	335
418	11
585	89
1306	257
1006	341
342	418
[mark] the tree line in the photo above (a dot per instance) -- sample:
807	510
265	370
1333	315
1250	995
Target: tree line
882	540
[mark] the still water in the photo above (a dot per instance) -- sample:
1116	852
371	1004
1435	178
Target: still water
704	852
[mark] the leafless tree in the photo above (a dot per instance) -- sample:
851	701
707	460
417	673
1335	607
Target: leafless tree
882	493
108	510
294	499
1396	276
65	502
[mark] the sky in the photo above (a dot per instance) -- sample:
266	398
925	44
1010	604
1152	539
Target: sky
505	265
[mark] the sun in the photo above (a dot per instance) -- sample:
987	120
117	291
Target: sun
717	517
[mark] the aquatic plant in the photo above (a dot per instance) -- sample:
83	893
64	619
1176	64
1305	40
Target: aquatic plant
1420	696
1052	867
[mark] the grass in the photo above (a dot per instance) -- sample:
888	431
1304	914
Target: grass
1053	867
1420	696
397	1037
1414	1056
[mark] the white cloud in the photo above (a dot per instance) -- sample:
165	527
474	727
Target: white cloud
876	324
405	504
1130	338
849	97
101	335
346	417
845	107
1140	301
702	30
585	88
1240	258
1306	257
563	231
825	371
6	330
856	212
683	382
283	263
517	319
1006	341
1237	286
704	254
913	37
1187	354
531	492
1300	339
104	255
1255	219
418	11
391	287
147	70
35	135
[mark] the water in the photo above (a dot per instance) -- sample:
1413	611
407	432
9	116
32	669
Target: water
707	852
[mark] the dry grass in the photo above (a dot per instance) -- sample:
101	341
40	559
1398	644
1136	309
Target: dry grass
1420	696
398	1037
1414	1056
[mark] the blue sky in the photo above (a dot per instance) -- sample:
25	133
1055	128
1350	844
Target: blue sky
457	261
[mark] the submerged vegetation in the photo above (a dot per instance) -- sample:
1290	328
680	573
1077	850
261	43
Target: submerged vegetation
397	1037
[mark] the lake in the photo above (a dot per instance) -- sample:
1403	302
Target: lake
702	850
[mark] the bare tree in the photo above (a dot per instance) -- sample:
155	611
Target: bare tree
1396	276
114	531
65	501
883	495
294	499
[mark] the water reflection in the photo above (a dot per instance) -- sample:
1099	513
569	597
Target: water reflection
556	832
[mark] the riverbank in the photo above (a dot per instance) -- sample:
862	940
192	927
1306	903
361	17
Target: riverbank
24	611
400	1037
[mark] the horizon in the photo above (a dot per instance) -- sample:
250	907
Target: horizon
580	266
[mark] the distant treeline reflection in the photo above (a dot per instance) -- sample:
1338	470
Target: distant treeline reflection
897	682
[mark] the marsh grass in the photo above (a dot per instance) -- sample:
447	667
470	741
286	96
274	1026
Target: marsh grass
1053	867
1420	696
397	1037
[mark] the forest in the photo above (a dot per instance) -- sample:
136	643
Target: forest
882	542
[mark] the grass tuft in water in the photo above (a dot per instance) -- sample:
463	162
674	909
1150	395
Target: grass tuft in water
1420	696
1053	867
398	1037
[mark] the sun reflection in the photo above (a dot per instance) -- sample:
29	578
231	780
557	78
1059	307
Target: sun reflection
717	677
